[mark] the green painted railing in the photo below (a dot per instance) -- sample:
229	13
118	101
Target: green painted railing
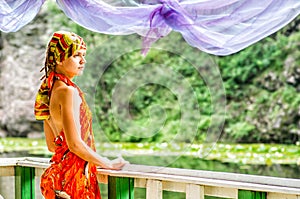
24	182
195	184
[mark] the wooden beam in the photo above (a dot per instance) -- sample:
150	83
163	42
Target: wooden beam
140	182
173	186
221	192
282	196
7	171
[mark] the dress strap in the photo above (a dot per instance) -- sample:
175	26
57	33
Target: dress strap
53	76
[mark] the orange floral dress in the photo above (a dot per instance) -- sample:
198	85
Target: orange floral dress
69	176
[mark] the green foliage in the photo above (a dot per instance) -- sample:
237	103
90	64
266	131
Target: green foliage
263	101
152	105
240	129
239	70
262	85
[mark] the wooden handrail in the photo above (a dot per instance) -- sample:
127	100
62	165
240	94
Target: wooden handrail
192	182
211	178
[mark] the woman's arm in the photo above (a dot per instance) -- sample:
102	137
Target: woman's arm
49	136
73	138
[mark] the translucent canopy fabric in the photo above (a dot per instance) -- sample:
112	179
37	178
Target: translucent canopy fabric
14	14
219	27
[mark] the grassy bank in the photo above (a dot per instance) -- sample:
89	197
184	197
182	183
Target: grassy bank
260	154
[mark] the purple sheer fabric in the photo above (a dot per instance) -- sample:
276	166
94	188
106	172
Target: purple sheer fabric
219	27
14	14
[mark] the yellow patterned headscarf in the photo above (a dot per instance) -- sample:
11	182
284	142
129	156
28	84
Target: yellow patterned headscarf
61	46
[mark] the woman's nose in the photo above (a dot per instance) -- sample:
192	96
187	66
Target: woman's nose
83	60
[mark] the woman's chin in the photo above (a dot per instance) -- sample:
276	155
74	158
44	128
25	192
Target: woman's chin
80	73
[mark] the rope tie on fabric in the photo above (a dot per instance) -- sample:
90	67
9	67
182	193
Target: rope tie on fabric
174	15
169	16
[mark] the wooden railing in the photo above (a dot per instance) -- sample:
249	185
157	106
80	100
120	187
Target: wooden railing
196	184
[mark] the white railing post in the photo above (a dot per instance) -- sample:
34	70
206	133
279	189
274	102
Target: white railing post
154	189
194	191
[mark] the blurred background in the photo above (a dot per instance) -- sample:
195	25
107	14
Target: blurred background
261	133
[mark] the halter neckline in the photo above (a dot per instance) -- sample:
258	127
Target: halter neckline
52	76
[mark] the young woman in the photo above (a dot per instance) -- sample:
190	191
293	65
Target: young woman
68	123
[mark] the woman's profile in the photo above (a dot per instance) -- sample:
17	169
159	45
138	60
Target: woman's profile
68	123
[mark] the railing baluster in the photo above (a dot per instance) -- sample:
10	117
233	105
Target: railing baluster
194	191
245	194
120	188
24	182
154	189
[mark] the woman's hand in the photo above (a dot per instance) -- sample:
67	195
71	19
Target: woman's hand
115	164
118	163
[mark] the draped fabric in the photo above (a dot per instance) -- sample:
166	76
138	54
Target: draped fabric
14	14
69	175
219	27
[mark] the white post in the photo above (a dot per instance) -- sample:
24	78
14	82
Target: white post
194	191
154	189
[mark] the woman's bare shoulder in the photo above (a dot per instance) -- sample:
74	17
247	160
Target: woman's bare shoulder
62	92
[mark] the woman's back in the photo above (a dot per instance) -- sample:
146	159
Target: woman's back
58	94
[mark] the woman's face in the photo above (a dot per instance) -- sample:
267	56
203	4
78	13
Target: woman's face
74	65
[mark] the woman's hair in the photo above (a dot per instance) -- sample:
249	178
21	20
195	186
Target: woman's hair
61	46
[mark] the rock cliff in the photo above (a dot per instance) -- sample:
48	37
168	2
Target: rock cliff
21	58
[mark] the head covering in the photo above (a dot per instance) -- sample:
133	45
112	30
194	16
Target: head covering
61	46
